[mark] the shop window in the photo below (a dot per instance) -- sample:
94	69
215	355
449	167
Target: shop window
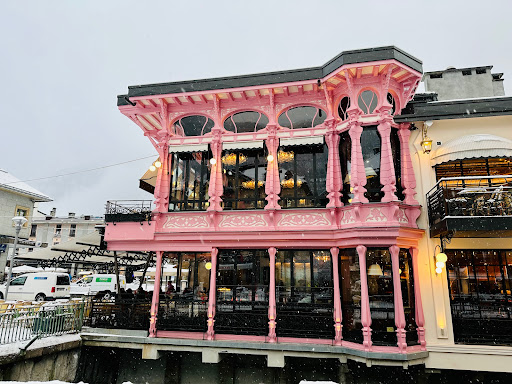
301	117
244	173
184	305
247	121
345	149
371	146
343	107
190	175
304	294
243	279
302	174
367	101
350	295
195	125
408	298
380	291
480	294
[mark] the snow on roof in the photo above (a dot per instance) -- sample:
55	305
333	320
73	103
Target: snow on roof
11	183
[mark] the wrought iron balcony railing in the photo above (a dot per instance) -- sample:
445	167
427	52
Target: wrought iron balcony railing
128	210
456	198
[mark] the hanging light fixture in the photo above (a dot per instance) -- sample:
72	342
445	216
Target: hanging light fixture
251	184
158	164
290	183
230	159
285	157
426	142
375	270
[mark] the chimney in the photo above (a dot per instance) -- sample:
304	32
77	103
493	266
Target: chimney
53	212
71	215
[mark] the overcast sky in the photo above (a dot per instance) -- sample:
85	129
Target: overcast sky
63	63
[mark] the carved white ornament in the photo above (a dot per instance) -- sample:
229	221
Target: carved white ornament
186	222
242	221
376	215
401	216
348	217
301	219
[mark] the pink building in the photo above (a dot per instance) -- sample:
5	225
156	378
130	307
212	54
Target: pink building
286	200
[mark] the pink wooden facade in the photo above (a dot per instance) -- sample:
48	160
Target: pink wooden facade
389	224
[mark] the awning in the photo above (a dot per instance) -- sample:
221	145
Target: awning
308	140
188	148
243	145
473	146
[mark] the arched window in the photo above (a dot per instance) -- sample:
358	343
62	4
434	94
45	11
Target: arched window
301	117
367	101
343	107
246	121
195	125
391	100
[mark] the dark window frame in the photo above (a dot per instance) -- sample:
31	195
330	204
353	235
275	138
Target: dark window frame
183	204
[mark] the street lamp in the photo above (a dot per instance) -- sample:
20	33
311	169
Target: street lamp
18	222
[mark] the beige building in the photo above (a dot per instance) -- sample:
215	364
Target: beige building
464	185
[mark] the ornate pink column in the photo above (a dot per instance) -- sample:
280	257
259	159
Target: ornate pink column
210	333
215	189
366	318
418	307
408	178
272	297
337	299
156	295
387	169
357	171
272	182
333	181
399	304
162	185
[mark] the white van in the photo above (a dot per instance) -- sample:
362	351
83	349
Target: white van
92	284
38	286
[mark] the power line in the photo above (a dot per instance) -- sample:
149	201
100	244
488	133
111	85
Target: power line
86	170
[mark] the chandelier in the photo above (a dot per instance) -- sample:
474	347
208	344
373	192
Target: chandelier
289	183
230	159
285	157
251	184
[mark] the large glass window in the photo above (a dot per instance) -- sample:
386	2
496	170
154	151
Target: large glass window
408	298
475	167
380	291
304	294
345	149
371	145
350	292
302	173
244	173
242	292
480	294
186	284
190	176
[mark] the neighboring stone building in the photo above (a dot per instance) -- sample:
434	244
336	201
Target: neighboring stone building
49	230
16	199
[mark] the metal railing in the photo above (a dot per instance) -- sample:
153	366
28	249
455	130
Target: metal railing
128	210
118	313
470	196
182	314
19	322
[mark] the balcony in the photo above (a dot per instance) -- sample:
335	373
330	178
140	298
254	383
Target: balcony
471	206
118	211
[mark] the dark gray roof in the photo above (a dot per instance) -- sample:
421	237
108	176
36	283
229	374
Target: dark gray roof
344	58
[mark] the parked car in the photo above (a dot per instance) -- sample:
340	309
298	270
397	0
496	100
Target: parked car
39	286
91	285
